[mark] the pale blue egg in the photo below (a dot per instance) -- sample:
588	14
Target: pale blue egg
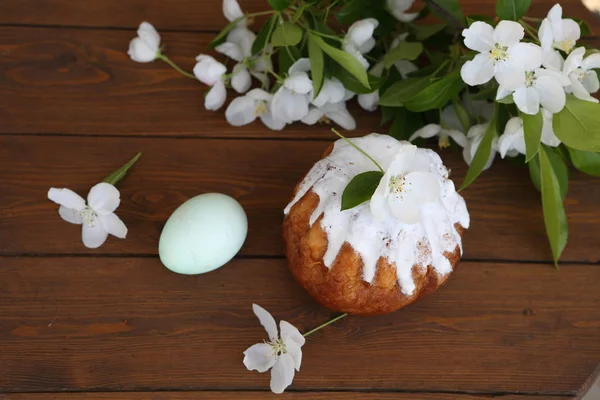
203	234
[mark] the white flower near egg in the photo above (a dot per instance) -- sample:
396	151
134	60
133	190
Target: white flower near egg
282	353
399	8
255	104
146	46
407	185
501	54
211	72
97	216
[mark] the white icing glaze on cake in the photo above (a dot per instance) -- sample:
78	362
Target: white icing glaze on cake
404	245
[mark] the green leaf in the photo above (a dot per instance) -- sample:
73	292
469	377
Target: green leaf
220	38
402	91
560	169
387	114
264	35
360	189
585	161
279	5
555	218
512	10
484	18
119	174
423	32
437	94
351	12
287	56
448	10
286	34
404	51
345	60
506	100
405	124
483	153
532	126
351	83
317	64
578	124
298	13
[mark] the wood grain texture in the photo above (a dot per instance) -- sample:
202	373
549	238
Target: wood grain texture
262	396
504	206
191	14
72	81
129	324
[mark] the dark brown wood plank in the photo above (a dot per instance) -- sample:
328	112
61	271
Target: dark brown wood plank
505	208
190	14
261	396
82	82
129	324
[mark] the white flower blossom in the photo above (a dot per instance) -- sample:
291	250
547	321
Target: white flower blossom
542	86
405	187
233	11
332	91
290	102
359	39
558	33
548	136
398	9
432	130
502	55
580	72
512	141
146	46
255	104
283	351
97	216
211	72
474	138
336	112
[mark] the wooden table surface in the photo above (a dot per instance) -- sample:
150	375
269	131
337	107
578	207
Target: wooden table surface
113	323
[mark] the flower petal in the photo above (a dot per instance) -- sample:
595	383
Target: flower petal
511	73
478	71
527	100
580	91
259	94
313	116
591	62
244	39
590	82
574	61
66	198
70	215
361	31
260	357
266	320
301	65
552	60
369	102
288	330
104	198
405	68
333	91
140	51
232	10
271	122
571	31
343	118
231	50
418	188
459	137
508	33
503	92
561	78
113	225
282	373
241	111
426	132
551	94
298	82
529	54
94	235
148	34
216	96
294	350
548	136
241	80
545	35
479	37
450	118
208	70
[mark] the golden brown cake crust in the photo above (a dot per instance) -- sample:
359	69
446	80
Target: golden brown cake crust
342	287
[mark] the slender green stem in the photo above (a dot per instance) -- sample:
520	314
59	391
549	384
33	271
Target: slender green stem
531	31
318	328
326	35
258	14
359	149
175	66
119	174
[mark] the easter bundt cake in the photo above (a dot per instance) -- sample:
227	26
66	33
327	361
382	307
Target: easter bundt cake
383	254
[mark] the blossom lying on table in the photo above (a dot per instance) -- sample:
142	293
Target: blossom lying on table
512	85
97	216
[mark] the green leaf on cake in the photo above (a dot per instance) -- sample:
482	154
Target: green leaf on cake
404	51
286	34
512	10
555	218
585	161
345	60
360	189
578	124
483	153
532	126
317	64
